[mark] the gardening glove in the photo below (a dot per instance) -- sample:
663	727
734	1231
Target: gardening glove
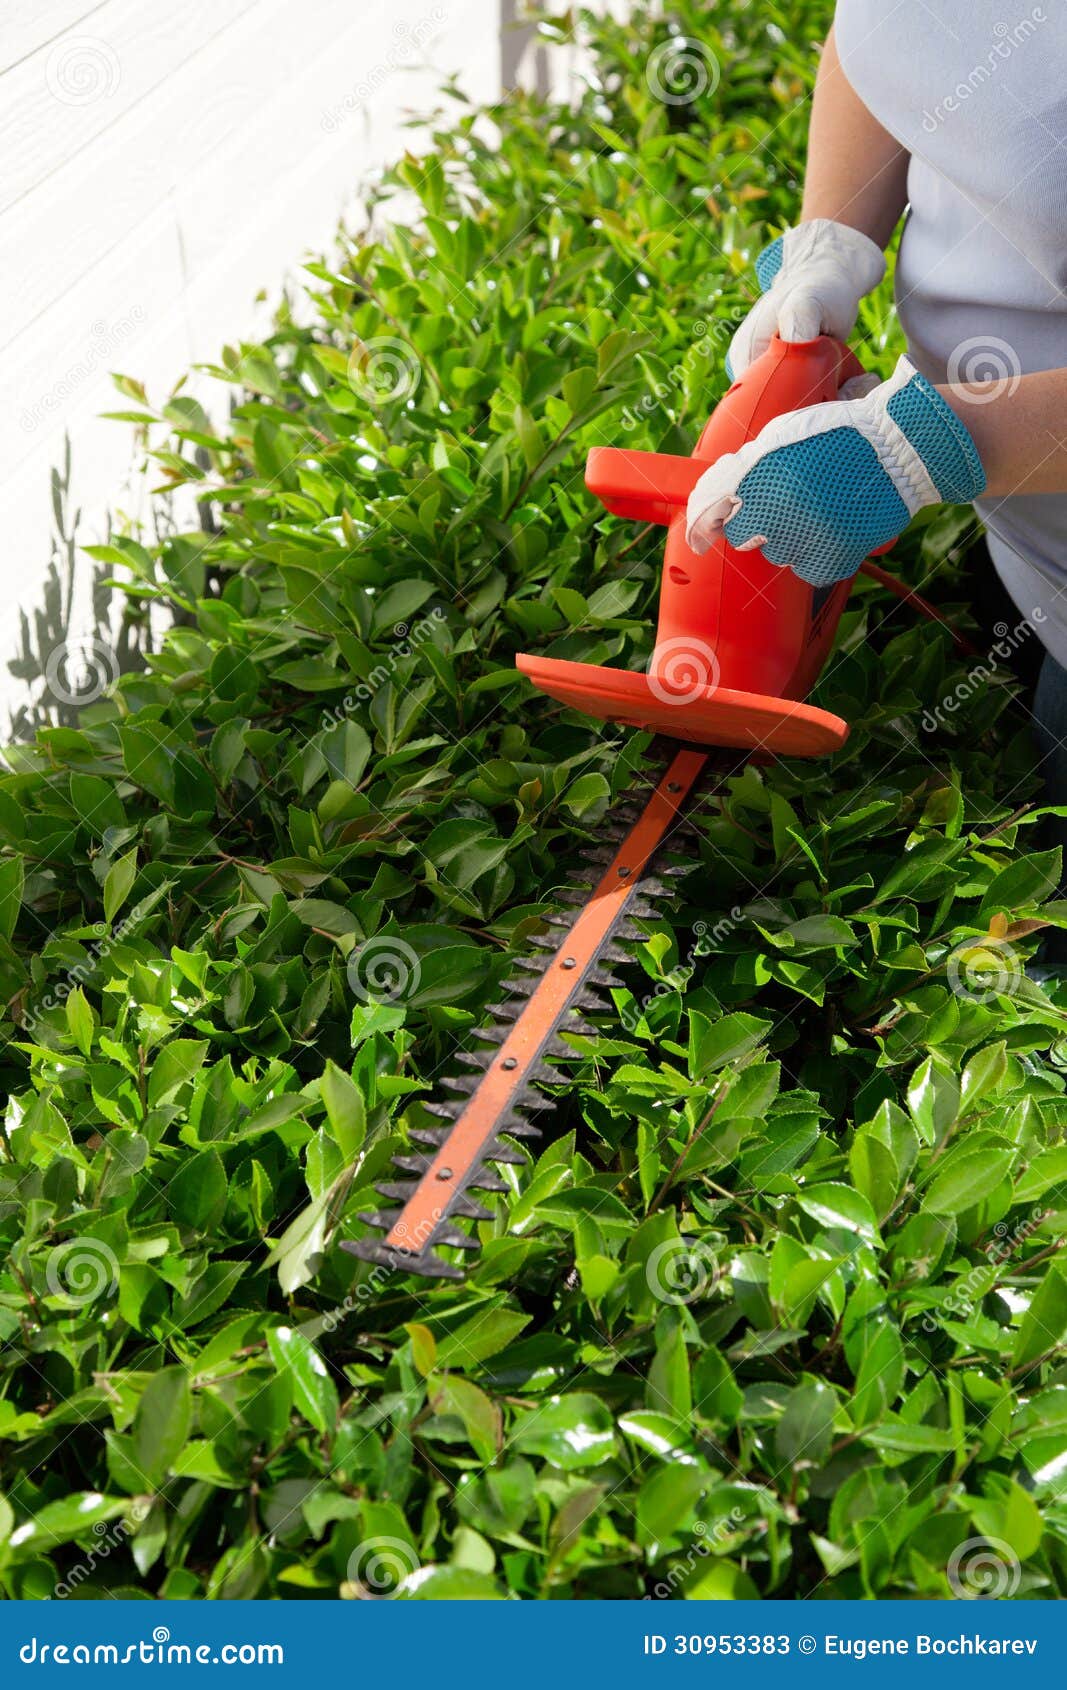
812	279
820	489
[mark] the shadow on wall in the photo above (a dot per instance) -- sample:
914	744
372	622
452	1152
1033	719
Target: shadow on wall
515	38
81	637
83	633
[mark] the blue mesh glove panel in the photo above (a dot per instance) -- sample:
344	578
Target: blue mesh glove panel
769	263
821	488
823	504
944	445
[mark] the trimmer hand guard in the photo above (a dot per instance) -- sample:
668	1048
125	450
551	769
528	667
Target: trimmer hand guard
700	715
740	641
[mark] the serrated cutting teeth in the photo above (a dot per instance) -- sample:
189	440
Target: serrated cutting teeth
475	1058
556	1046
383	1219
401	1189
582	1027
466	1206
398	1189
428	1135
518	1126
497	1152
562	969
444	1232
418	1163
628	929
543	1074
446	1111
507	1011
485	1180
614	953
454	1235
379	1254
644	910
528	964
464	1083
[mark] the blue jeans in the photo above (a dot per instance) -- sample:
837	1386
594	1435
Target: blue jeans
1050	736
1044	695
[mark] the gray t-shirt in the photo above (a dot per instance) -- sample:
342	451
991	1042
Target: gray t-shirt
977	93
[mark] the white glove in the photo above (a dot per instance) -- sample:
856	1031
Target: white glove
813	278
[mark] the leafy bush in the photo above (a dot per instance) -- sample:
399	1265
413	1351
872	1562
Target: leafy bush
778	1310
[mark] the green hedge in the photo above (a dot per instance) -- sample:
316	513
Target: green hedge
778	1307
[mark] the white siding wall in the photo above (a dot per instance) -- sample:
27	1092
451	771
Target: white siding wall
162	162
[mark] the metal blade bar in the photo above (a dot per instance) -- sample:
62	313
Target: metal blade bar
424	1218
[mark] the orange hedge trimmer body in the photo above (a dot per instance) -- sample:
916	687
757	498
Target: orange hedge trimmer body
739	643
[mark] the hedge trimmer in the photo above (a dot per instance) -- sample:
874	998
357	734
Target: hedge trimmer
739	644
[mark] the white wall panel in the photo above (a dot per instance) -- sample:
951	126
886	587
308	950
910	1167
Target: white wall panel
161	164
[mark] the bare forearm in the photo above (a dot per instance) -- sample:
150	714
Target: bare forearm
1019	426
856	172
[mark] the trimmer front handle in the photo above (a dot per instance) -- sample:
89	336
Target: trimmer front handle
644	486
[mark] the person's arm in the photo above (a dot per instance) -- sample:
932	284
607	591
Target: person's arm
813	276
1019	426
856	172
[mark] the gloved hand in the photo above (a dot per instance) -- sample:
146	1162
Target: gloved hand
819	489
812	279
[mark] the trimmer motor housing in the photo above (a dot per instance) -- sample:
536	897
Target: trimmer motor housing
740	641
